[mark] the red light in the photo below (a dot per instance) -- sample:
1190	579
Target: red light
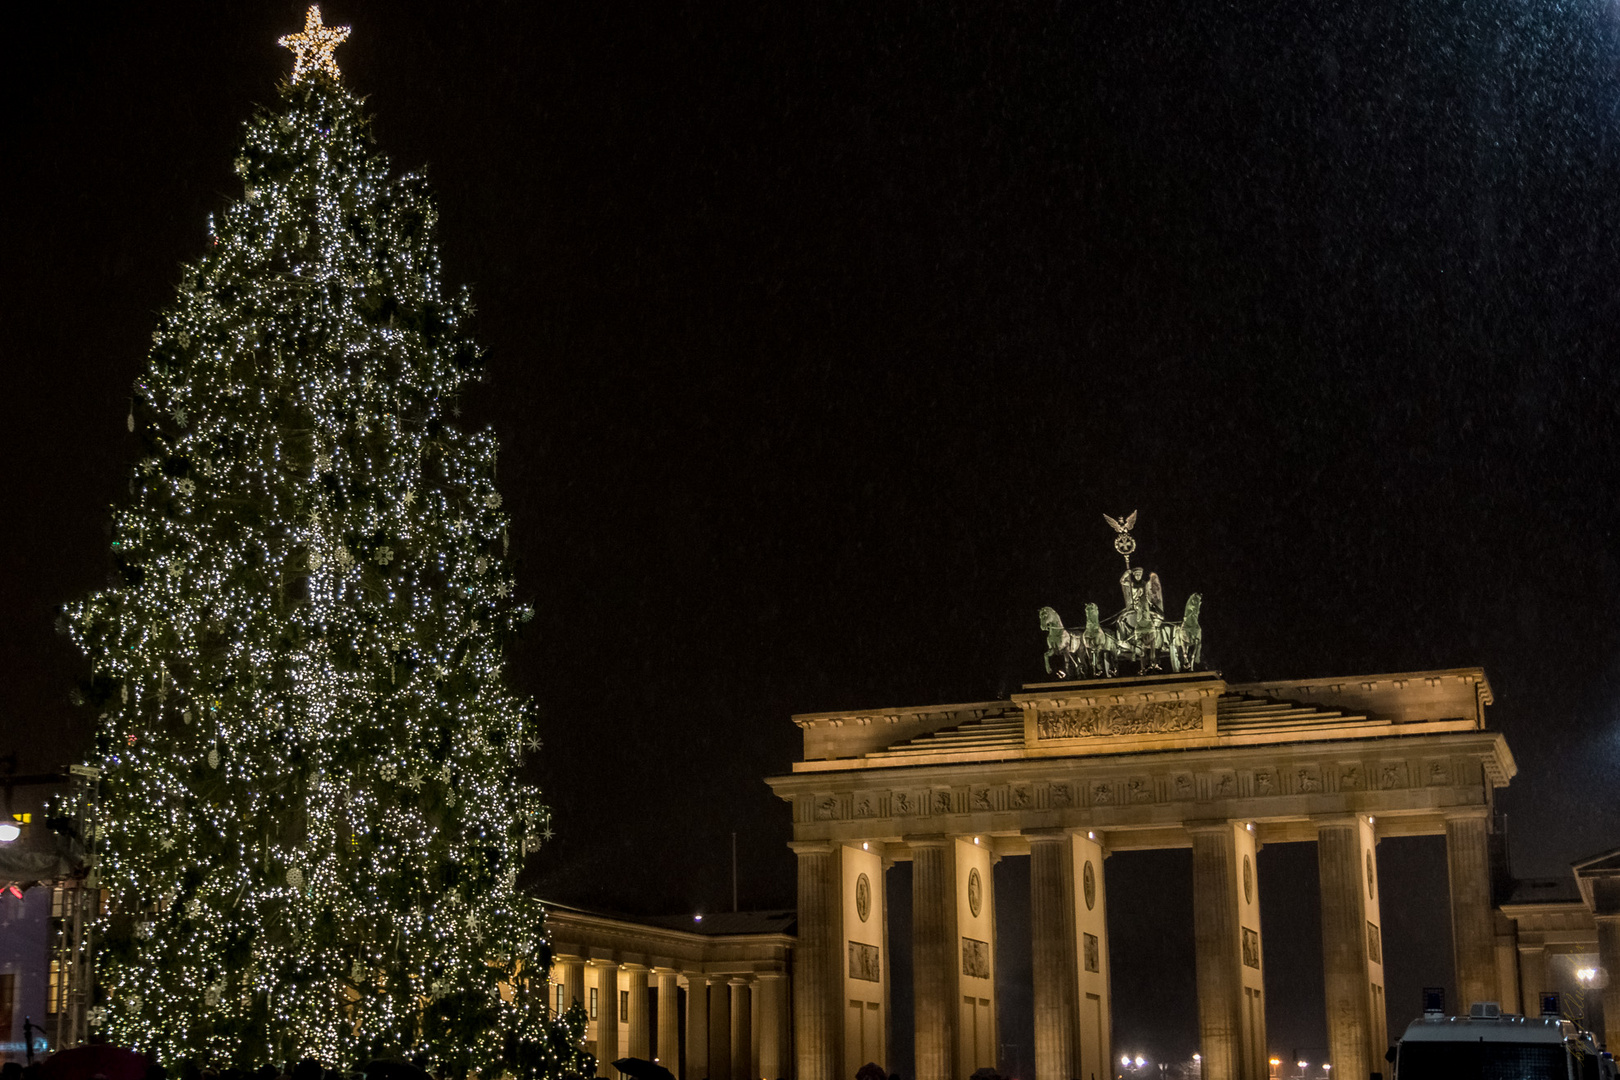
14	891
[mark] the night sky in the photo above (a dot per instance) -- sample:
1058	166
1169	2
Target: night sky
822	335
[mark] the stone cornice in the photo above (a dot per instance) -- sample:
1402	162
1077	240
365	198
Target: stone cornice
604	939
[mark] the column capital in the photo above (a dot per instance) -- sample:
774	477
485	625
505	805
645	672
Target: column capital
1047	836
664	969
931	840
632	967
1345	818
812	847
602	962
739	980
1213	825
766	976
569	958
1463	813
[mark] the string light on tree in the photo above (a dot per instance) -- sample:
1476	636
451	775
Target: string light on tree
313	822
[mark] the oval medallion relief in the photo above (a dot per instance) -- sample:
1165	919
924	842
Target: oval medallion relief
1248	881
975	892
1088	881
863	897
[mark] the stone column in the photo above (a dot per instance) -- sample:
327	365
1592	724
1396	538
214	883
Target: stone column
607	1017
934	957
1606	909
669	1022
637	1017
1608	927
1218	944
818	969
1051	903
720	1031
772	1008
1532	977
1342	869
573	982
697	1026
1473	936
742	1030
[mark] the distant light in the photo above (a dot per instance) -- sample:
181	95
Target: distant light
975	840
1369	819
1091	836
1198	1057
1140	1061
1326	1067
1304	1064
1250	826
864	847
1276	1061
1126	1060
1585	975
697	918
8	832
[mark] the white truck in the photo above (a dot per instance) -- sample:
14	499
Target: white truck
1490	1045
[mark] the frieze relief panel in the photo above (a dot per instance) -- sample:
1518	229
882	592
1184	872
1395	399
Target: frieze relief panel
1279	780
1102	721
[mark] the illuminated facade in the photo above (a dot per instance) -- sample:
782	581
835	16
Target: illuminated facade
1065	773
704	996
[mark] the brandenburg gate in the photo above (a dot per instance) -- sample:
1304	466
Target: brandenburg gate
1067	772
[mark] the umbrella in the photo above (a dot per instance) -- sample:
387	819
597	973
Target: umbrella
636	1069
84	1062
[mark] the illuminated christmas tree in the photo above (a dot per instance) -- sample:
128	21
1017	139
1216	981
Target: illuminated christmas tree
311	822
